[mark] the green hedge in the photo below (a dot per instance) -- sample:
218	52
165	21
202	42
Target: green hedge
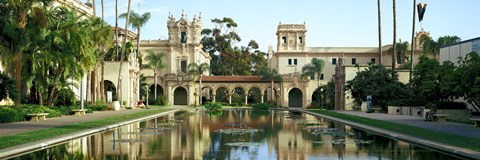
16	114
261	106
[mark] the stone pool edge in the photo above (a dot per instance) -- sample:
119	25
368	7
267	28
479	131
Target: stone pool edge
11	152
447	149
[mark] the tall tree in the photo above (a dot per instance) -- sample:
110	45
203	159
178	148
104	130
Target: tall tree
394	36
315	68
103	11
7	87
102	37
412	50
119	91
402	48
197	70
379	33
271	75
16	33
156	64
433	47
137	22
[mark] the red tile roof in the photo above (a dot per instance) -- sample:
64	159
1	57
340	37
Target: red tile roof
232	79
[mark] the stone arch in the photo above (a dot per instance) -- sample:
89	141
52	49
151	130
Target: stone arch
295	98
221	86
222	94
238	95
254	95
207	94
180	96
315	97
151	93
238	86
110	87
267	96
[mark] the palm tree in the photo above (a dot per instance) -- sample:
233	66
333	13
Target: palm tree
433	47
123	52
102	37
312	69
379	32
137	22
402	48
197	70
155	63
394	36
7	87
271	75
17	32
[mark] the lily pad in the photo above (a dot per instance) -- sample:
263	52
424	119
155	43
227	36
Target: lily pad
243	144
234	131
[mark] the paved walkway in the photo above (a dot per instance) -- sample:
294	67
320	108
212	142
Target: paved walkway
461	129
27	126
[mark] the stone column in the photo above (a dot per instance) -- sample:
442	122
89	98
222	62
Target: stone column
246	99
229	98
214	100
261	98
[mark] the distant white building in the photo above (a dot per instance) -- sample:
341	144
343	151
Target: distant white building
454	51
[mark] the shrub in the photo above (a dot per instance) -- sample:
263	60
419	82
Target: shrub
25	109
213	107
66	97
261	106
96	107
9	114
451	105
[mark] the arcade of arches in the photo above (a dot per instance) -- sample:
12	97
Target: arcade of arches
182	89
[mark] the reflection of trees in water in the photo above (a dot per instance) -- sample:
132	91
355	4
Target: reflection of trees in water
55	152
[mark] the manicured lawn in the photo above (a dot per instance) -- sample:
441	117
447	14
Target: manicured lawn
441	137
22	138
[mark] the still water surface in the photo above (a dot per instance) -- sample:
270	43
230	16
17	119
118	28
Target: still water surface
236	134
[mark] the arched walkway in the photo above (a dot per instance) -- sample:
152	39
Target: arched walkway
295	98
180	96
221	95
238	95
270	97
151	94
110	91
254	95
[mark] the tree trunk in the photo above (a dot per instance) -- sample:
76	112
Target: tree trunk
272	95
412	49
119	91
102	11
88	85
94	9
155	94
18	76
138	43
200	91
102	83
379	33
394	37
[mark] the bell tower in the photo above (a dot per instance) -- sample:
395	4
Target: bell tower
291	37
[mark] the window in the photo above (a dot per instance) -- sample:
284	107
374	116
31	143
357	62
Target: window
334	61
289	61
183	66
354	60
372	60
294	61
312	77
284	39
183	38
321	76
300	39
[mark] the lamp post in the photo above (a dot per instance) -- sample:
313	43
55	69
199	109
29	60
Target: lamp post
320	98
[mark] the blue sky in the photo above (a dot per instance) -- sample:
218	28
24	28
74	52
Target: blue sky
330	23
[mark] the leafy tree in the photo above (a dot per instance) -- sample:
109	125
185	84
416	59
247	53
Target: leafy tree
401	49
271	75
156	64
378	82
468	77
425	79
16	16
228	59
197	70
7	87
314	68
433	47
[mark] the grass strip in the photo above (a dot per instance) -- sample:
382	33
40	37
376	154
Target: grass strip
436	136
23	138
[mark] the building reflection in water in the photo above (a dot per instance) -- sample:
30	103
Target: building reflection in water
280	137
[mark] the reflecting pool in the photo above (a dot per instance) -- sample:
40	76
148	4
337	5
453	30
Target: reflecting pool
236	134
